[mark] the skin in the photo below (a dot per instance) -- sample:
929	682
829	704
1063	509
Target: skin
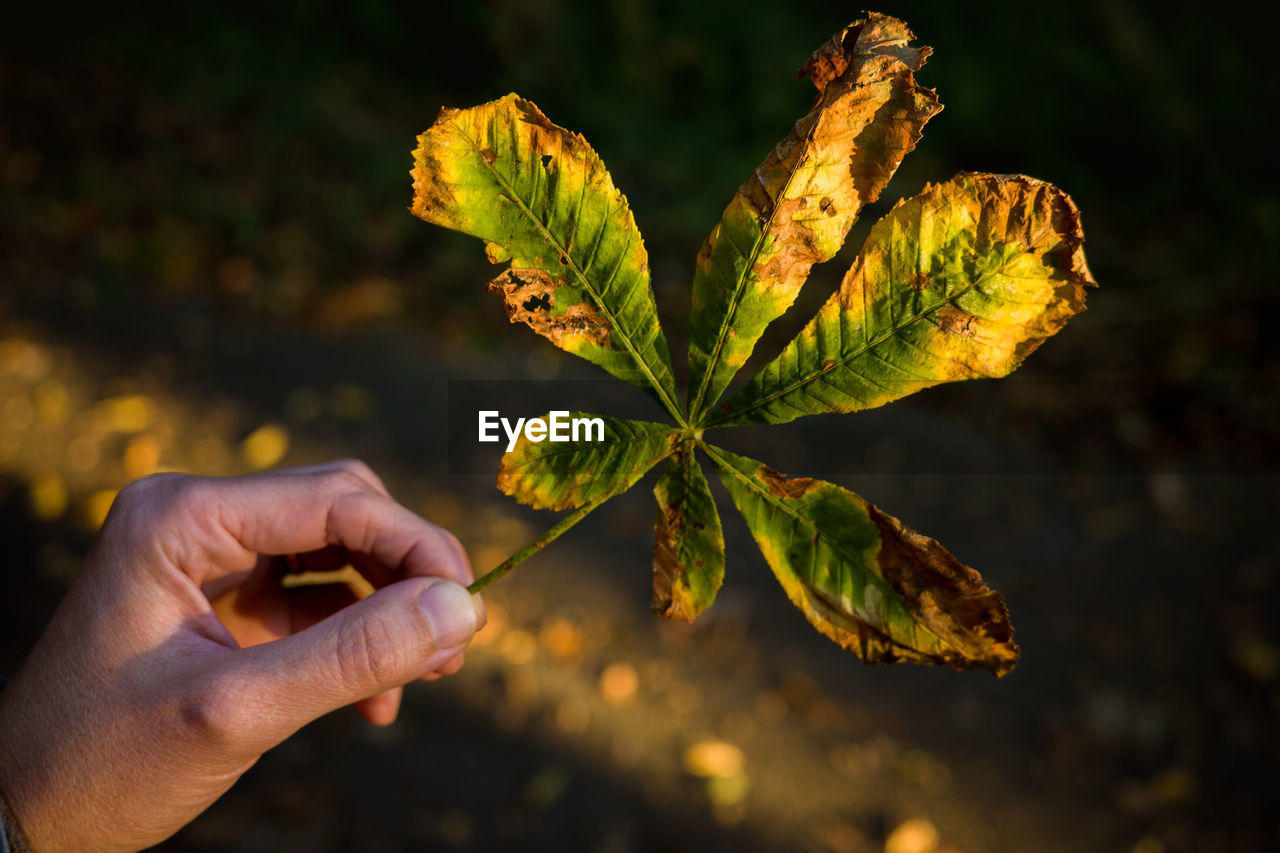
176	659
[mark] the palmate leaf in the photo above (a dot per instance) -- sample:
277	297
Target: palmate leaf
797	207
875	587
568	474
688	547
540	198
961	281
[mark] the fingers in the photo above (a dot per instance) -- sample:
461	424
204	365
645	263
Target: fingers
211	527
452	665
381	709
449	667
394	636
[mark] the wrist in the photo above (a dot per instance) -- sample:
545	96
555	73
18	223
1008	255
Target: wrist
11	838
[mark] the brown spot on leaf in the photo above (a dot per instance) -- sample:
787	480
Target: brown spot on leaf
530	298
795	249
919	281
488	155
958	321
946	596
782	486
666	566
688	553
866	42
866	641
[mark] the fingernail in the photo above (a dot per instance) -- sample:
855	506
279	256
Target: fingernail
450	613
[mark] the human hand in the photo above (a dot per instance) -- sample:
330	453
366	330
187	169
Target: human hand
140	706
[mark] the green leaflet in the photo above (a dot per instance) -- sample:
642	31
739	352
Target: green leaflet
875	587
540	197
567	474
961	281
688	547
797	207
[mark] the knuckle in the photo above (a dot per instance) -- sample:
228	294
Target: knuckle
187	494
358	468
157	497
146	490
451	540
455	545
367	654
345	479
217	712
352	519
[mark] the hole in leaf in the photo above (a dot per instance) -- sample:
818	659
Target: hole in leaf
538	303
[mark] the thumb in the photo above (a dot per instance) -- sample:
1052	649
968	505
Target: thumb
394	636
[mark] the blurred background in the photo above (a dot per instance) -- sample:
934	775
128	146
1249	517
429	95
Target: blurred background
207	265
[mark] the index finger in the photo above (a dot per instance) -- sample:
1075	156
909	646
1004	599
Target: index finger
224	523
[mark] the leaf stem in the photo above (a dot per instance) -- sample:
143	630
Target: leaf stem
532	548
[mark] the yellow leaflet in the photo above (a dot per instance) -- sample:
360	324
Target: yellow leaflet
961	281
